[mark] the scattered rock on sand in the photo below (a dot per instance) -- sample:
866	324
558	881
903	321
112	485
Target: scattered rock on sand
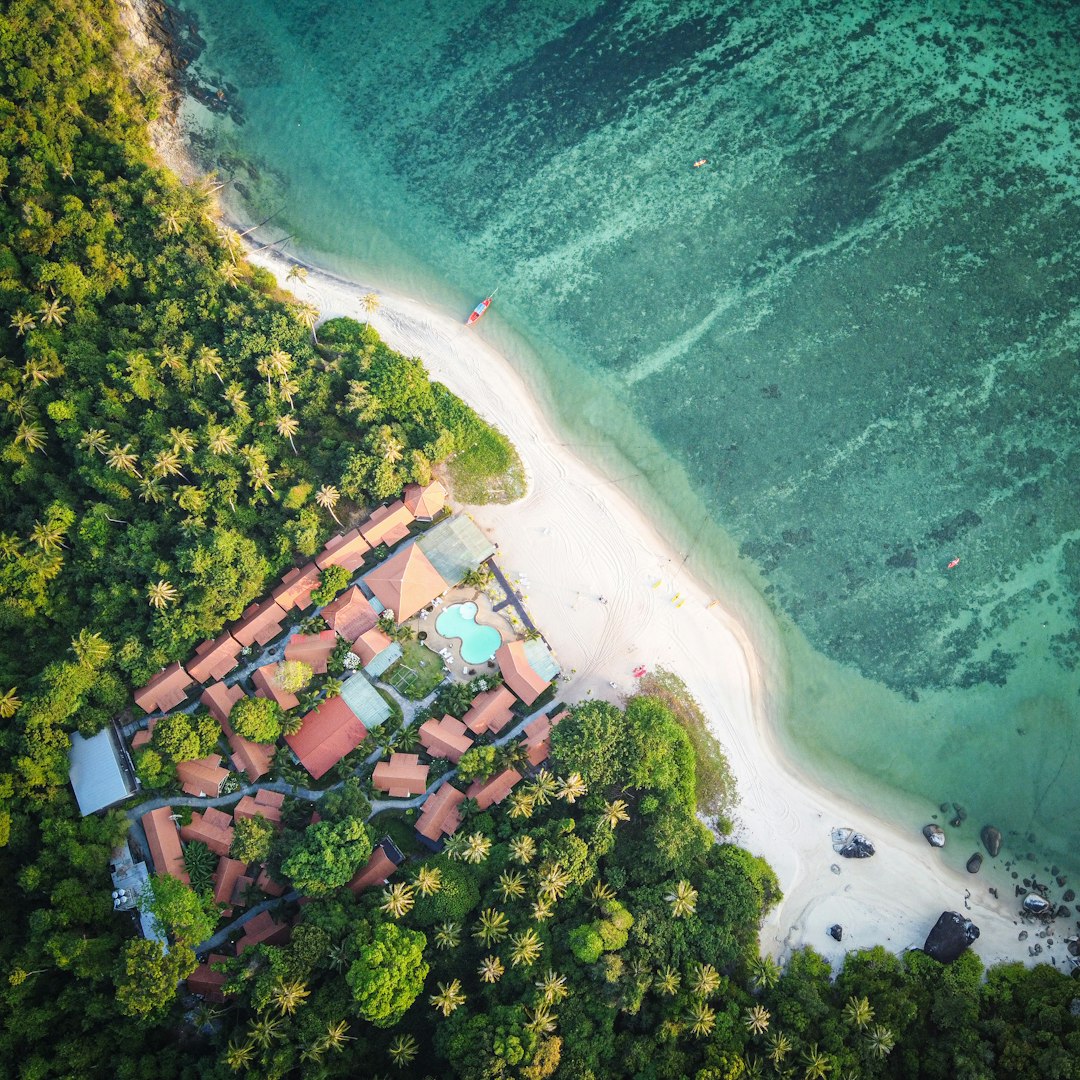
974	864
935	835
1068	896
991	839
951	935
836	932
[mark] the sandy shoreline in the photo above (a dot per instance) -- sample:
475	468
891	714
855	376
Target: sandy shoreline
576	537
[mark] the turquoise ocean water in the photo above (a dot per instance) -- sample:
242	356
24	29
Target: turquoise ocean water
834	359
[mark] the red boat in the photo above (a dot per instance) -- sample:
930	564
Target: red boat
481	308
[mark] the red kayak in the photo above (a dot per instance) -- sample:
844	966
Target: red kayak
481	308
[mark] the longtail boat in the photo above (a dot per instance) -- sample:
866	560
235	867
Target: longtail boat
481	308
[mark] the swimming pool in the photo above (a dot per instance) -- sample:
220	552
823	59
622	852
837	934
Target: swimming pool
478	642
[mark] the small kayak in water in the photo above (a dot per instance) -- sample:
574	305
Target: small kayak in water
480	308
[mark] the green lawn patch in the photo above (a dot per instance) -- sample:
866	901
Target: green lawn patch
399	828
417	673
485	467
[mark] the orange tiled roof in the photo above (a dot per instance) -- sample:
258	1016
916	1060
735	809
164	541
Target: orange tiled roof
440	815
265	804
490	711
350	614
312	649
267	686
213	827
329	733
165	690
262	930
537	736
228	874
250	757
260	622
202	776
347	549
446	738
268	884
406	582
494	790
518	673
143	736
378	868
206	982
424	502
219	700
295	588
369	644
214	659
402	776
164	841
388	524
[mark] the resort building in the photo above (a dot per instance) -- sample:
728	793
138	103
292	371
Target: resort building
347	550
312	649
165	690
491	710
328	733
262	930
202	777
537	737
455	546
206	982
248	757
214	659
295	588
268	885
260	623
527	668
388	525
97	771
424	503
230	883
219	699
164	842
143	736
440	816
385	859
350	614
364	700
266	804
266	684
446	738
213	827
401	777
489	792
377	651
406	582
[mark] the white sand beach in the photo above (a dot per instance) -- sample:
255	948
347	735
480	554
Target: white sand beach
576	537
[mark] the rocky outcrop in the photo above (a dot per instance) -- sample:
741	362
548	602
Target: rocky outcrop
974	864
1034	904
935	835
836	932
858	847
991	839
951	935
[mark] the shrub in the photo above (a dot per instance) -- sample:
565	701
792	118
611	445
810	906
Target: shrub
457	897
258	719
331	581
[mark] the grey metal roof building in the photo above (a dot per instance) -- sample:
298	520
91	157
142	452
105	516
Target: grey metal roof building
365	701
454	547
96	772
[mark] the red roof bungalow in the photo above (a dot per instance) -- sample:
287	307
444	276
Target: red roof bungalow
214	659
370	644
312	649
230	883
490	711
518	673
401	777
424	502
350	614
249	757
267	686
206	982
347	549
268	884
537	737
494	790
213	827
384	860
202	776
164	841
329	733
266	804
388	524
260	622
262	930
165	690
446	738
406	582
295	588
440	815
143	736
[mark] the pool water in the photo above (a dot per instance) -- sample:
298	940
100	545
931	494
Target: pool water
478	642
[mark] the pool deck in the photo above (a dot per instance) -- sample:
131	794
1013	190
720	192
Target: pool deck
486	615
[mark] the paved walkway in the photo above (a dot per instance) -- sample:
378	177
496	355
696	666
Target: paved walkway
511	596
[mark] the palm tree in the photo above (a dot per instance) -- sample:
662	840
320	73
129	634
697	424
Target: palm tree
337	1035
37	371
511	885
817	1064
683	900
523	849
314	1050
47	536
513	755
428	880
299	273
90	648
543	909
239	1055
370	302
492	927
572	788
399	900
552	987
9	703
448	998
880	1040
236	398
553	881
448	935
525	948
94	439
703	1017
616	811
166	463
209	361
22	322
265	1031
779	1047
183	440
222	441
308	315
288	389
752	1068
171	220
151	491
540	1021
764	973
31	435
339	956
327	497
521	804
161	594
491	969
600	892
757	1020
706	980
404	1048
287	426
858	1012
230	274
454	848
667	982
52	313
288	996
543	787
477	848
123	459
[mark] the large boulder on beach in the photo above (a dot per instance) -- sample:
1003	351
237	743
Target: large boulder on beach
991	839
951	935
1034	904
974	864
935	835
836	932
858	847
